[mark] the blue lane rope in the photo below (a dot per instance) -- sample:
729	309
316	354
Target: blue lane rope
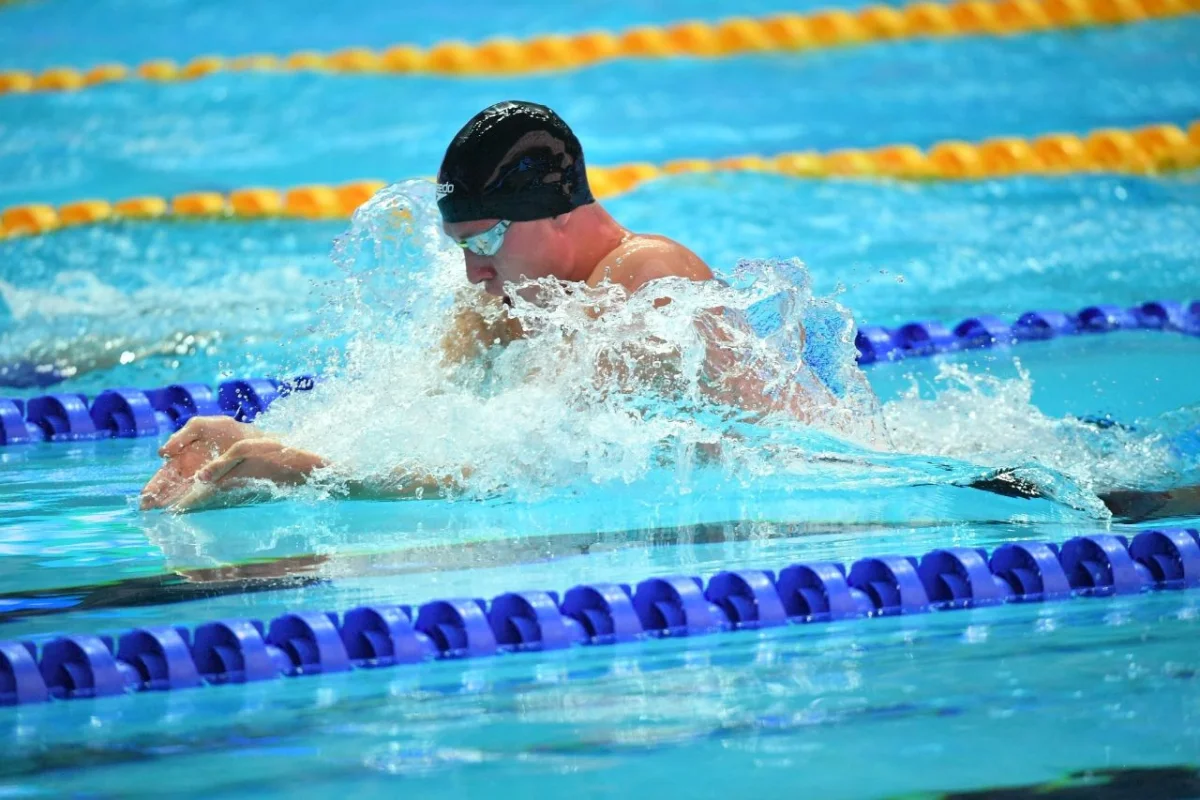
127	412
130	413
930	338
315	643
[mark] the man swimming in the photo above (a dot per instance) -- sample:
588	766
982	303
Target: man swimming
513	193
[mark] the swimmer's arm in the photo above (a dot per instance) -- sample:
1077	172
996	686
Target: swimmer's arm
646	261
266	459
1126	505
403	484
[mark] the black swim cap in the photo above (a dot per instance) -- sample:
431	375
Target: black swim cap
515	161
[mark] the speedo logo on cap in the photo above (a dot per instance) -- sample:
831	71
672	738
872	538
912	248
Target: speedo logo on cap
444	189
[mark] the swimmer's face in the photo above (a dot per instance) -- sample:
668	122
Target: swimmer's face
529	251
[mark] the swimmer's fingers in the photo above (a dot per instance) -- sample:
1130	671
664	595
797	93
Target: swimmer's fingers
261	459
171	488
219	432
163	488
247	461
175	476
176	444
206	495
220	468
192	431
195	498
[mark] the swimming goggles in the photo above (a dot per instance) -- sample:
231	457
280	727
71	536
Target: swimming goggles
487	243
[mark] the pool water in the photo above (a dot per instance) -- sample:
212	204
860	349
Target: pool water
885	708
1064	695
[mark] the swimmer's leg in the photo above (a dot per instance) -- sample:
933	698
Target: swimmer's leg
1126	505
1131	505
1134	505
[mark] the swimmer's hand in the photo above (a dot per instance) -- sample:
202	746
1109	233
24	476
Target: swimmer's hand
255	459
193	446
471	333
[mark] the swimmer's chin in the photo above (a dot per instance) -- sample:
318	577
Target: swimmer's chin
495	287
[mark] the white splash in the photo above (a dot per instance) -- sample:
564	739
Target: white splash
80	323
753	377
604	387
991	421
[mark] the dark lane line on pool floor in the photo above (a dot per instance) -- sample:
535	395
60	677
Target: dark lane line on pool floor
1135	783
300	571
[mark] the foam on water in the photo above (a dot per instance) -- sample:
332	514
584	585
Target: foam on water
604	387
70	326
989	420
127	304
752	378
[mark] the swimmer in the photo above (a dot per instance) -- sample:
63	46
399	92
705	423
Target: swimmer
513	194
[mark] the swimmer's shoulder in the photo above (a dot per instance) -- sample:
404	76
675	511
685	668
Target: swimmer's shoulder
642	258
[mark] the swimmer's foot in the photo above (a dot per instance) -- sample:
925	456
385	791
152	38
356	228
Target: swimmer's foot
1007	484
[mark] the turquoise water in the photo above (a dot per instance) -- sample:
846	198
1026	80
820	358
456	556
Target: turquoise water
76	31
284	129
902	705
244	292
880	709
1010	696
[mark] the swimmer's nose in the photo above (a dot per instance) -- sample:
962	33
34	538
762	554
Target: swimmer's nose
478	269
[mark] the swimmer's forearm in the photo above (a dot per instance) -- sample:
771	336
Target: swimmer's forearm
406	485
391	490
